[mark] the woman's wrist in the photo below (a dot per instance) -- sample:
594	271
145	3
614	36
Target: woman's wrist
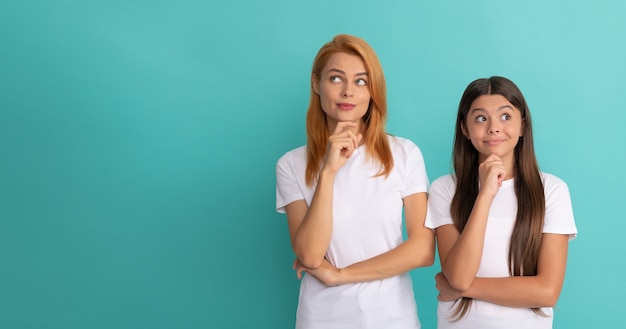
341	275
326	172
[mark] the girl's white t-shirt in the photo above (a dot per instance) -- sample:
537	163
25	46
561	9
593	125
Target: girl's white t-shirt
559	219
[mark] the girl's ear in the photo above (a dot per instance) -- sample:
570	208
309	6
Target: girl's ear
464	130
315	83
522	128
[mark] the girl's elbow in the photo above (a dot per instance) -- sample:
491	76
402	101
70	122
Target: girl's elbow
551	297
462	286
460	283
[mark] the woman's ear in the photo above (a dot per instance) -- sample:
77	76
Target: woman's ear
315	83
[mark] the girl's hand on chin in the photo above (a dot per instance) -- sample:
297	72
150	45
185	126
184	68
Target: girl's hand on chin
491	173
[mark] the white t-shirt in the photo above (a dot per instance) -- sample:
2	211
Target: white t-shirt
367	221
559	219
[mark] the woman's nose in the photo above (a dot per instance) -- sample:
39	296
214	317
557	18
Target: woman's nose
347	91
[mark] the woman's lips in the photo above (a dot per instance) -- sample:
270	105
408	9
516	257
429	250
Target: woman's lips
346	106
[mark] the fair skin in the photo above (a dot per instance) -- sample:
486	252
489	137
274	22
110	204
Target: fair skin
345	96
494	127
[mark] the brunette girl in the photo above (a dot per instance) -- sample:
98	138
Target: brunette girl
502	225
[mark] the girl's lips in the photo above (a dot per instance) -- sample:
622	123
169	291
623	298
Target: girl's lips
346	106
493	141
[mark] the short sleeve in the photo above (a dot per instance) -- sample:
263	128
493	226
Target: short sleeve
439	200
559	213
416	178
287	188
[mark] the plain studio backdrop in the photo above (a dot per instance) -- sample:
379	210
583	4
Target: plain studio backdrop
138	143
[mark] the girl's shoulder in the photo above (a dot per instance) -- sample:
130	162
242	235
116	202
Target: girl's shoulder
550	180
447	182
553	185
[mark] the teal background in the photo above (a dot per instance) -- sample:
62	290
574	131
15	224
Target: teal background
138	141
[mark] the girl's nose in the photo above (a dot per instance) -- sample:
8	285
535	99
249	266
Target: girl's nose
494	129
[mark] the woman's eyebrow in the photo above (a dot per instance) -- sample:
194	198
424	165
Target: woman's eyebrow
344	73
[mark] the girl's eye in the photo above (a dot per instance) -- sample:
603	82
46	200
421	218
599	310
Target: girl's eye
335	79
361	82
506	117
480	118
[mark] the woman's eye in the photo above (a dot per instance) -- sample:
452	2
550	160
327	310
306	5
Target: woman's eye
361	82
335	78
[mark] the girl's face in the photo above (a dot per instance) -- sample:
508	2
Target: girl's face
343	89
494	126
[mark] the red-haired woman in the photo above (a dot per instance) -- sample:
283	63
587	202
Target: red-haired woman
344	194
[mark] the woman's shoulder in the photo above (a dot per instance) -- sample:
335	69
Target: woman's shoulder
402	143
405	151
297	154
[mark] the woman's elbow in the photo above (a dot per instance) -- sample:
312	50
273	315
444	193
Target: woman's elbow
309	257
425	257
426	260
310	260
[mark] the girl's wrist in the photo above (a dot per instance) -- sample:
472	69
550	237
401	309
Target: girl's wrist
484	197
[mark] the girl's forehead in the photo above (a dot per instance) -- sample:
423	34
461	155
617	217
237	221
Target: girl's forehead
490	101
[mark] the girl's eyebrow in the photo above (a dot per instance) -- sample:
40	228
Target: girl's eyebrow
503	107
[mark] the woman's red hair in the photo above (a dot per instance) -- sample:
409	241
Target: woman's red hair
374	135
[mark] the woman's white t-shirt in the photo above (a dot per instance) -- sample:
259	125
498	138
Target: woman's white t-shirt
559	219
367	221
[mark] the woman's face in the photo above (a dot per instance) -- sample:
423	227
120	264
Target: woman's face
494	126
343	89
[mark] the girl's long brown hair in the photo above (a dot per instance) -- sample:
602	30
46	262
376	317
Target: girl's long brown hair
375	137
526	236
